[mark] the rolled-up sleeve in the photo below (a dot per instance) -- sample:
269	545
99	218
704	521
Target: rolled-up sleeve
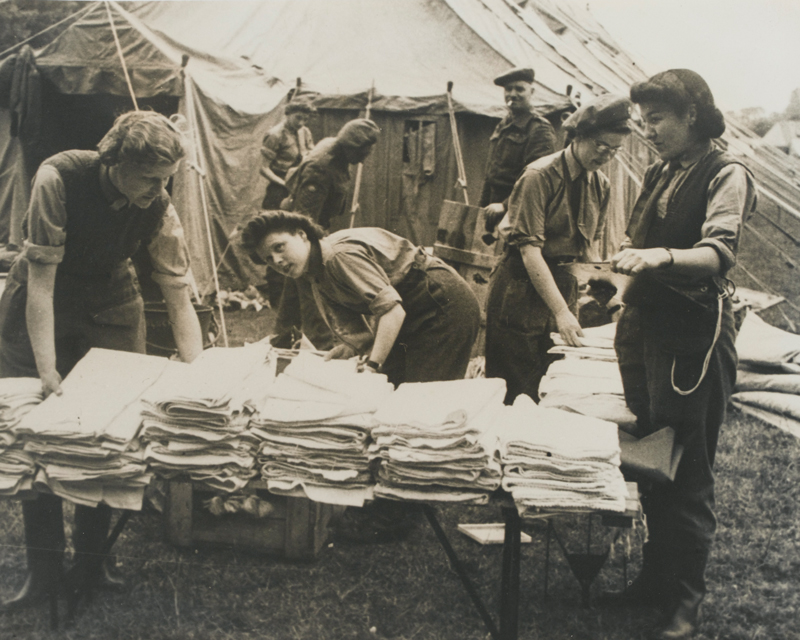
169	252
527	209
46	218
271	146
362	280
731	198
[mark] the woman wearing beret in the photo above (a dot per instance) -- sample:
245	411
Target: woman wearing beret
556	215
73	288
426	317
675	339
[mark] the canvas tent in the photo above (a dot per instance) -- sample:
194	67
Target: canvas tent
243	58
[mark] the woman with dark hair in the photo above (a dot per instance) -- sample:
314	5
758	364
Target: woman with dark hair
675	339
73	288
556	214
425	316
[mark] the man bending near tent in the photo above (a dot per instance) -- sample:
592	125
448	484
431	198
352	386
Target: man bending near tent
318	188
519	139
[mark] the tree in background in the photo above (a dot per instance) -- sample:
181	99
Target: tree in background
21	19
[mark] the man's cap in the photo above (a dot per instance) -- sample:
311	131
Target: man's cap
359	133
607	113
517	74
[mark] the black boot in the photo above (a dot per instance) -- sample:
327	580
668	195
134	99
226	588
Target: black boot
648	589
93	569
689	590
44	542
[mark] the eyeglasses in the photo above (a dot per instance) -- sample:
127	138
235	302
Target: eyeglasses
605	149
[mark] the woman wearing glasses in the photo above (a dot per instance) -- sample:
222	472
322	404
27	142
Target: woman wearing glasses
556	215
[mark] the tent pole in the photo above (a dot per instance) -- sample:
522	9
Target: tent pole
121	56
200	171
462	173
360	169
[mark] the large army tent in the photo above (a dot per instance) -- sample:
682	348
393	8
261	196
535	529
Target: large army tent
242	58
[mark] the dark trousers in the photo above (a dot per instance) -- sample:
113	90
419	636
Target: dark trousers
442	321
680	515
518	327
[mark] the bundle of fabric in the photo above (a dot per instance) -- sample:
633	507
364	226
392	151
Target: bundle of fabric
84	441
314	428
196	423
17	397
438	440
556	460
768	380
587	379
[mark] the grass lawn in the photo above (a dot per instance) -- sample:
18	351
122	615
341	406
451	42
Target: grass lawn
407	590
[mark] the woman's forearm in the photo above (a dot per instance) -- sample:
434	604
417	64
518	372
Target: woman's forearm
389	325
185	325
698	262
272	176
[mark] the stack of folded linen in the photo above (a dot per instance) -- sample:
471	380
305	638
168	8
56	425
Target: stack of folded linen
85	439
556	460
314	428
587	379
17	397
196	424
768	380
437	441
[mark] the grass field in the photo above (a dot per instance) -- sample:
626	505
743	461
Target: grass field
407	590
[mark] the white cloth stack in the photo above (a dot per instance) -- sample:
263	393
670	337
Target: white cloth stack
556	460
587	379
85	439
314	428
17	468
437	441
196	424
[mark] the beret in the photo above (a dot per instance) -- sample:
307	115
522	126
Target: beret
358	133
607	113
517	74
300	105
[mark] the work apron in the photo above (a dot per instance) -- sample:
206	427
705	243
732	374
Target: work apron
519	323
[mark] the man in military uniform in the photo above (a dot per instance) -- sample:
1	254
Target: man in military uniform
519	139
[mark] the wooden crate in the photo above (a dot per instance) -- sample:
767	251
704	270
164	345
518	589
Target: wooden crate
296	529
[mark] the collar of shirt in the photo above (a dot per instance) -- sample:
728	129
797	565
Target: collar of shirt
519	121
111	193
320	253
574	166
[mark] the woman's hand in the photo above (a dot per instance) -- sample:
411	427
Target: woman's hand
633	261
569	328
51	383
340	352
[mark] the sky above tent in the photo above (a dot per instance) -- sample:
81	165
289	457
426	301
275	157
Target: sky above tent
747	50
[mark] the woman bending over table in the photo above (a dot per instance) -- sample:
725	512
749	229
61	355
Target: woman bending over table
73	288
424	314
675	339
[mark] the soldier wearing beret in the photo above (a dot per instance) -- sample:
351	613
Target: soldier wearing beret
556	215
519	139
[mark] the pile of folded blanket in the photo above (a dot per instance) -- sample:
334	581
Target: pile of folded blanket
314	428
768	380
84	441
556	460
437	441
587	379
17	397
196	424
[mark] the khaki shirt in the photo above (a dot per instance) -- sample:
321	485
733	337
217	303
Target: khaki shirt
283	149
539	210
